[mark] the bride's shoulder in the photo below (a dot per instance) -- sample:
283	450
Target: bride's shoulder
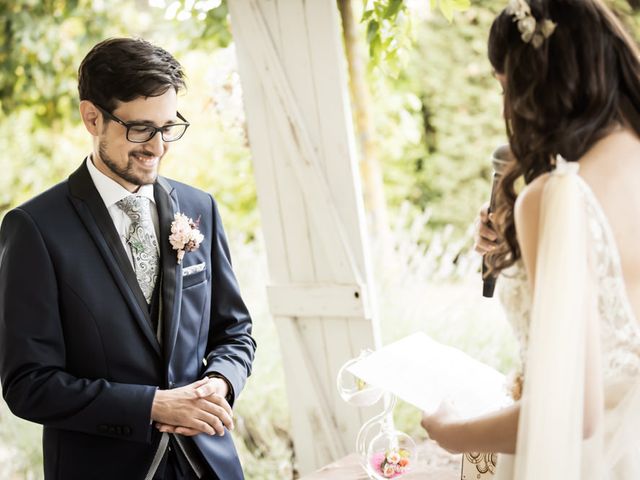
527	218
527	207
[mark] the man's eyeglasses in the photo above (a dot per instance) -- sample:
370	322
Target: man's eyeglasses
142	132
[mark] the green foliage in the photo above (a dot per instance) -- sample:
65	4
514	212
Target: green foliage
628	11
450	7
202	24
20	447
389	29
440	119
388	32
31	162
40	42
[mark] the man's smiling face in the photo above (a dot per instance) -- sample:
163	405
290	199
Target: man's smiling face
135	164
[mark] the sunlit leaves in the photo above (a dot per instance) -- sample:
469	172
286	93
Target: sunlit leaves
40	42
203	23
389	31
450	7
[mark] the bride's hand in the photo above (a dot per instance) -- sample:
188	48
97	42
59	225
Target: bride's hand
439	426
485	237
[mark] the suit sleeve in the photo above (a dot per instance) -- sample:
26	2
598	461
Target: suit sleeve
230	348
35	384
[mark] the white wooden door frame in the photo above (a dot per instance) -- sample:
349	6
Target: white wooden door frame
292	70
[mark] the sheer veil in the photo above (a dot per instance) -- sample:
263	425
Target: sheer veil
567	430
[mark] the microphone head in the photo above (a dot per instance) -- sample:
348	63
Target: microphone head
501	158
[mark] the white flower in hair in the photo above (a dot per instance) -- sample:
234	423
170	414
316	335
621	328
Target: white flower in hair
547	27
519	9
527	27
531	31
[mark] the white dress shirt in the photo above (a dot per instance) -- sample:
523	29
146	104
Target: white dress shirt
111	193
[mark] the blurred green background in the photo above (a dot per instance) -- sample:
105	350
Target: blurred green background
436	113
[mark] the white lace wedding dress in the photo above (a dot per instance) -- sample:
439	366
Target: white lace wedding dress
613	452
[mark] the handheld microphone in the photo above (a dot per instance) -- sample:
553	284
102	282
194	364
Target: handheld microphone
500	159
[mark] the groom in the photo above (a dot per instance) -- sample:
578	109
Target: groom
122	329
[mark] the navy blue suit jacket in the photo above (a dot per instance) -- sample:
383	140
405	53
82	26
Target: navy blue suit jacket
78	353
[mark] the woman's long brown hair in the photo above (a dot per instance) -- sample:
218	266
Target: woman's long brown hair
560	98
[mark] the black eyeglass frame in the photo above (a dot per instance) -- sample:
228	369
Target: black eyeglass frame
129	125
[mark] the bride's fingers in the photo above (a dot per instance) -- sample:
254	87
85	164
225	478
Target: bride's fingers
487	233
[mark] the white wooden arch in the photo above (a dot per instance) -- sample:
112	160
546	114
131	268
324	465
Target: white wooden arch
293	74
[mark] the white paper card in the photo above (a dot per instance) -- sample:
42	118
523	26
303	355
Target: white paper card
423	372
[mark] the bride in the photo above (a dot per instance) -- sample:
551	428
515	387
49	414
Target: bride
567	247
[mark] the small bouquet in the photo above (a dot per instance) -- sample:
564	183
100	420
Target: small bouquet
384	451
391	463
185	236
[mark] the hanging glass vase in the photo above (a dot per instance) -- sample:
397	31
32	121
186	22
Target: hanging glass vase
384	451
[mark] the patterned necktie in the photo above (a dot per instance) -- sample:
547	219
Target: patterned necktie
143	243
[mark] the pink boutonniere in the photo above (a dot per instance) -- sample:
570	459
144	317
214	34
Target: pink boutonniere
185	236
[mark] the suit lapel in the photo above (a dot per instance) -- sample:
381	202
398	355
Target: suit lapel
167	203
95	216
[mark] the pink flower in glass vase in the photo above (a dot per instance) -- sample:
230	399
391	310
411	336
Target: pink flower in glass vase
392	463
389	470
393	457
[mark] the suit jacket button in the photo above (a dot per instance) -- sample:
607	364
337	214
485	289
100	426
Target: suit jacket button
126	431
103	428
112	429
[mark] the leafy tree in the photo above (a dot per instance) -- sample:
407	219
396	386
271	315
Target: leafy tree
388	26
43	41
40	42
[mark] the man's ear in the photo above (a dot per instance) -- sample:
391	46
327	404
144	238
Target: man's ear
91	117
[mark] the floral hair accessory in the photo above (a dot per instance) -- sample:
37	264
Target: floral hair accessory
531	30
185	236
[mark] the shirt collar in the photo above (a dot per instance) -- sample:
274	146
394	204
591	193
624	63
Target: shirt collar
110	190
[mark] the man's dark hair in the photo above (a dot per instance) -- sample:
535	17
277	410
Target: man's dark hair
123	69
